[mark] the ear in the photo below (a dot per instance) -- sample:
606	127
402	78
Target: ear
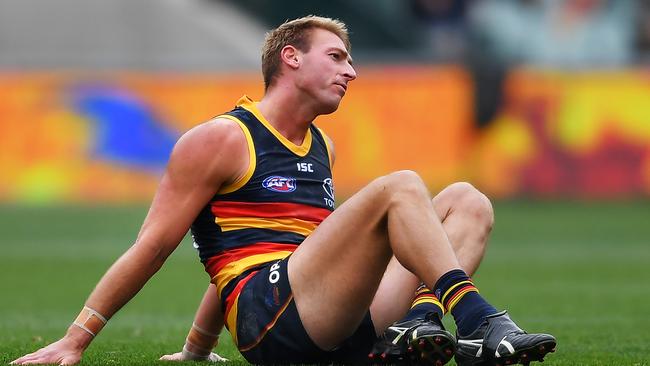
290	56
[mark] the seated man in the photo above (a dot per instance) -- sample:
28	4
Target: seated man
294	280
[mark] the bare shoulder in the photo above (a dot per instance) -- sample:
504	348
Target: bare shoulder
211	136
217	147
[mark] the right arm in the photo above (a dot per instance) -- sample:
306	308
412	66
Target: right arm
205	158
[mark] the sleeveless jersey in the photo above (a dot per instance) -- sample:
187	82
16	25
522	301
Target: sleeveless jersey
286	192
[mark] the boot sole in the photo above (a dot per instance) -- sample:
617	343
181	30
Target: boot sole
524	356
432	349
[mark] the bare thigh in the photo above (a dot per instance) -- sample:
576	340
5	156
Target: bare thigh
336	271
467	218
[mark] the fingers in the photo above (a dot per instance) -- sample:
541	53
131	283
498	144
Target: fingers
17	361
216	358
213	357
44	356
31	362
178	356
23	359
64	361
37	361
70	360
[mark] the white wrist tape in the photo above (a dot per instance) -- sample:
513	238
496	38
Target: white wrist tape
201	340
203	331
188	355
90	320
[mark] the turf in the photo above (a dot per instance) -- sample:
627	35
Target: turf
576	270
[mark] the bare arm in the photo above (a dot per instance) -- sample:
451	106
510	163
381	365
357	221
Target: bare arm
204	333
209	315
206	157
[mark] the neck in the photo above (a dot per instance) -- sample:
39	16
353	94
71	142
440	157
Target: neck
287	113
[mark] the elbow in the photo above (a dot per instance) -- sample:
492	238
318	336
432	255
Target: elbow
155	254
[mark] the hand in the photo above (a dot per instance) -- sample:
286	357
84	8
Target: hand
180	356
62	352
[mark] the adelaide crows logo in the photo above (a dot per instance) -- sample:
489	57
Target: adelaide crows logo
328	186
280	184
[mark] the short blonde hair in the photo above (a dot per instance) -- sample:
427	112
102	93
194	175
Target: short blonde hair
296	33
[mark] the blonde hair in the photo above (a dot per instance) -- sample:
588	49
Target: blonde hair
297	34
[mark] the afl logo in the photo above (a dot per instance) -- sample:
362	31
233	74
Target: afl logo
280	184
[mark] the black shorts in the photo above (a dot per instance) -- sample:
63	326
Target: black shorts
269	330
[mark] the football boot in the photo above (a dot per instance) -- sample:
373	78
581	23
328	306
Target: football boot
422	341
499	342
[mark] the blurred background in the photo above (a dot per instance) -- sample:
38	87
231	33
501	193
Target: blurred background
542	104
523	98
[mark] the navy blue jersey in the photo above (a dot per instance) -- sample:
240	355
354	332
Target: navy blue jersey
286	192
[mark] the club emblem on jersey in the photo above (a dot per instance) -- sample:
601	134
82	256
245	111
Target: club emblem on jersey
280	184
328	186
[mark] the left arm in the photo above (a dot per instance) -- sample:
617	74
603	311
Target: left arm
204	333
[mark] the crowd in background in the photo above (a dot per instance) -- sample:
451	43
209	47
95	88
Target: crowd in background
491	36
545	33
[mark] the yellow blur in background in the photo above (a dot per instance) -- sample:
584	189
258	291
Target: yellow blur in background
75	137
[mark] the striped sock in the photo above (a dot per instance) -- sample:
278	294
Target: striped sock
425	302
460	297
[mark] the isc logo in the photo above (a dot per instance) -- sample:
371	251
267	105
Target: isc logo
277	183
305	167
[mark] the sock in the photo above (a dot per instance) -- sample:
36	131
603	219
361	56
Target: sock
425	302
460	297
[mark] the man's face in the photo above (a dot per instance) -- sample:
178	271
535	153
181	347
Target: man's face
325	70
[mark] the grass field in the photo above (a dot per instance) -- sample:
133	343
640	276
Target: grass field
576	270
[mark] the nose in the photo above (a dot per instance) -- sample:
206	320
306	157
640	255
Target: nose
350	73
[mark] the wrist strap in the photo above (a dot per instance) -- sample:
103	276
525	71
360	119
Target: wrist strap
203	331
90	320
189	355
201	340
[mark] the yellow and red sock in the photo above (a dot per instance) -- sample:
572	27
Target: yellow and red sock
461	298
425	302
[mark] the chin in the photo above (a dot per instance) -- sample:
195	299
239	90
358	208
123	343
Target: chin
330	106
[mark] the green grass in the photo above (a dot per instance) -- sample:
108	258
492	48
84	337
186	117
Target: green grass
576	270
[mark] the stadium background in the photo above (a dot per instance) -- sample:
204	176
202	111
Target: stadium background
544	105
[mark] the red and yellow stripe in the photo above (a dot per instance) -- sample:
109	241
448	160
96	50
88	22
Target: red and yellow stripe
427	299
232	263
269	210
456	292
424	295
301	227
288	217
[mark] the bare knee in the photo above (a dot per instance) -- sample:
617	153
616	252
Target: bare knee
405	186
468	200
